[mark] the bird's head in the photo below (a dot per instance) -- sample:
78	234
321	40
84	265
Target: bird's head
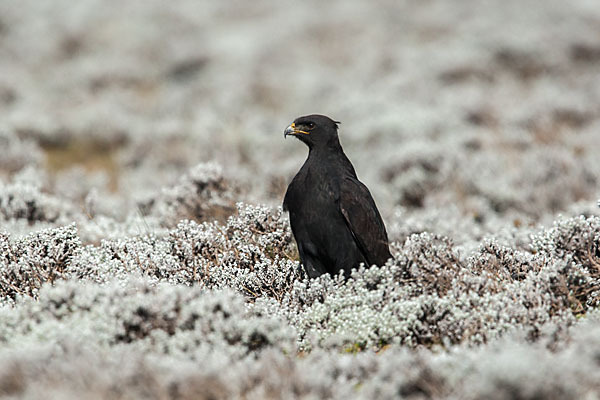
314	130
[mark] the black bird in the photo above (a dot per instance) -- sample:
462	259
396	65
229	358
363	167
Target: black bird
333	216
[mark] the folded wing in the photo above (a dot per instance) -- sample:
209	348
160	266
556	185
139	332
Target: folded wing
363	219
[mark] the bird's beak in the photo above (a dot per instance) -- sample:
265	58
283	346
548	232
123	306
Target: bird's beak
292	130
288	131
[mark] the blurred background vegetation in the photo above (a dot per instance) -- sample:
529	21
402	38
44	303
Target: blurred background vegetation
138	92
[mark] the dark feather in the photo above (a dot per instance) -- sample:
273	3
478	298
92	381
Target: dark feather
333	216
363	219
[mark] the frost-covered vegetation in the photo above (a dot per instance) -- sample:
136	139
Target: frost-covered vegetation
143	250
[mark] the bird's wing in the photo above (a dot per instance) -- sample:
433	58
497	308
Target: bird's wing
363	219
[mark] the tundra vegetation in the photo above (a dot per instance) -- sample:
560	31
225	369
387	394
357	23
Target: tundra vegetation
144	252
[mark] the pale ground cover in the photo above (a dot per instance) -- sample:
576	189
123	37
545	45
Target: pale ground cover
144	253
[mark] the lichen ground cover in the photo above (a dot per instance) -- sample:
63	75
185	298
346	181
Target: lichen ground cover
144	252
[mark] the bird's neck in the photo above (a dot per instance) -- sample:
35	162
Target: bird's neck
331	147
332	155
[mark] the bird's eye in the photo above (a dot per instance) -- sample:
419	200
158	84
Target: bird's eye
310	125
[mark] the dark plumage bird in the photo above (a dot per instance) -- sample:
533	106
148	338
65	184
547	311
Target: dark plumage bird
333	216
